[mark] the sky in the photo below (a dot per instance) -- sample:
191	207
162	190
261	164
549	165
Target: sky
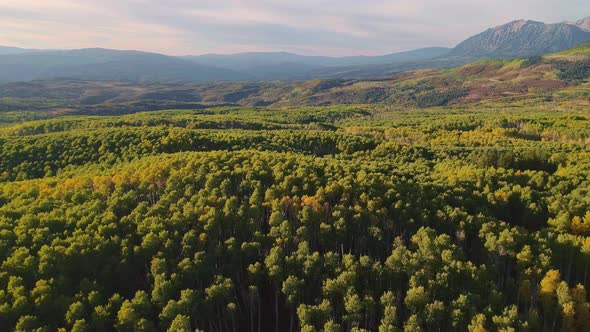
311	27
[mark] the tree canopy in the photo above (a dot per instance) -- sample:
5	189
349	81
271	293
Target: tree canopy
350	218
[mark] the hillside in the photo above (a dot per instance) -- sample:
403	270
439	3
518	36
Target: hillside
502	81
520	39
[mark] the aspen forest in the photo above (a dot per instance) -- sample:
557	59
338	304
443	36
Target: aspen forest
358	218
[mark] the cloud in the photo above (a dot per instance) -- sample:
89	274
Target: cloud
332	27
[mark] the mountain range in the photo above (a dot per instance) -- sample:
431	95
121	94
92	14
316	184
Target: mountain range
523	38
583	24
104	64
517	39
4	50
547	79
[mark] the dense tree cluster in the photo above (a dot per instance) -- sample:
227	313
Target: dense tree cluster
355	219
38	156
574	71
440	98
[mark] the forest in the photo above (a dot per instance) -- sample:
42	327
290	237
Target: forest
452	200
337	218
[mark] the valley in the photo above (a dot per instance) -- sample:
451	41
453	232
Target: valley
552	78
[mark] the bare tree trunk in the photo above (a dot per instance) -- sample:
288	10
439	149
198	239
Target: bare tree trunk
569	265
277	310
222	324
251	318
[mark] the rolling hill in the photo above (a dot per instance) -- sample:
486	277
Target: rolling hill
486	81
103	64
14	50
269	66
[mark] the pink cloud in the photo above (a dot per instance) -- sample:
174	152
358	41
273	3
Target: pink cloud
318	26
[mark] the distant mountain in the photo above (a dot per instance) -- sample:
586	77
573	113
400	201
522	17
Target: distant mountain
103	64
420	54
516	39
378	71
239	60
522	39
487	81
14	50
583	24
289	66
